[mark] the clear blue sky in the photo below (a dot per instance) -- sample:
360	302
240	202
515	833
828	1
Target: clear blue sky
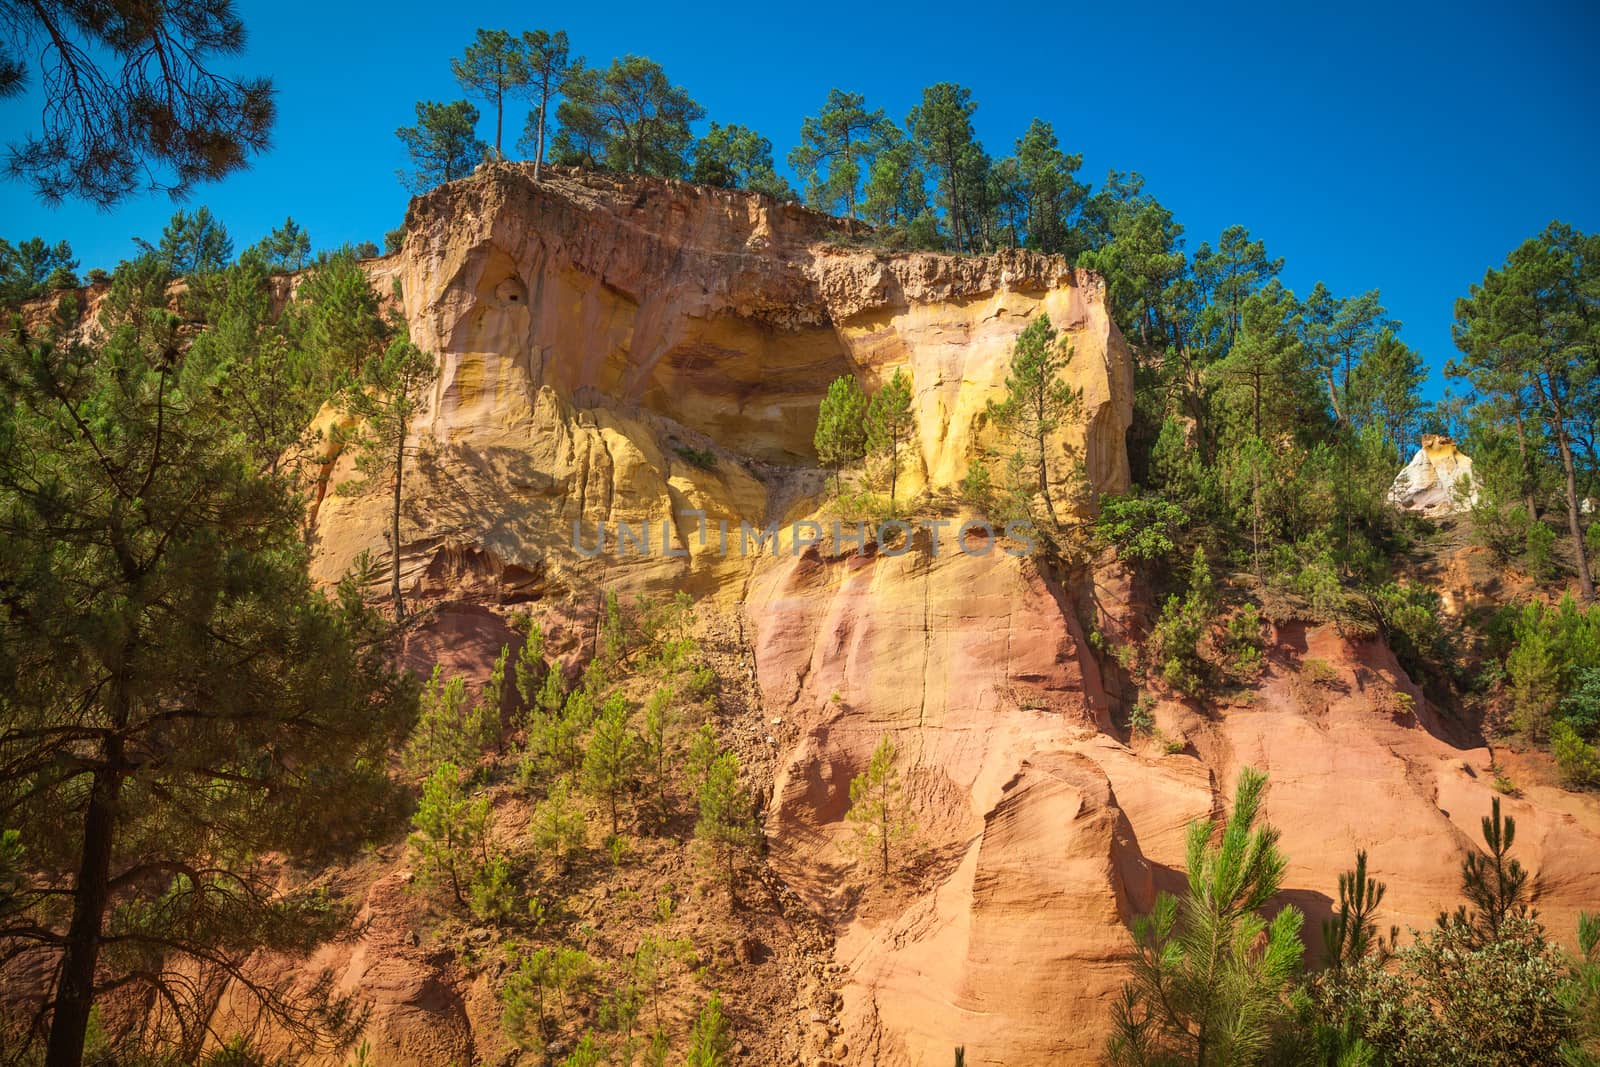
1403	147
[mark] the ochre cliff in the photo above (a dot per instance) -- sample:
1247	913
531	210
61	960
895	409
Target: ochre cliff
589	327
599	337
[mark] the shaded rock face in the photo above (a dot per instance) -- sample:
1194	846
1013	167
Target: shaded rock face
600	338
1438	480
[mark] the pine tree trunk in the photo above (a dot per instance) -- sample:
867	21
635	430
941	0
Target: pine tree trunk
883	839
850	193
394	529
1574	524
1527	482
1333	397
75	992
894	467
499	119
538	150
1044	483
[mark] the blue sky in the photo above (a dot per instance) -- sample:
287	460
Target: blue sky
1403	147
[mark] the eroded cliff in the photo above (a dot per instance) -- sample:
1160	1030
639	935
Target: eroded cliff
624	350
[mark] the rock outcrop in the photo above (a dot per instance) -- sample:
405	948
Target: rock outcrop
620	350
1438	480
624	350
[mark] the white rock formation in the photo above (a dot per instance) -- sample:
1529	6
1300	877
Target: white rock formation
1438	480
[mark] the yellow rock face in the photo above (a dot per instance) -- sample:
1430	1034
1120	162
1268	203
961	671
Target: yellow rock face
599	337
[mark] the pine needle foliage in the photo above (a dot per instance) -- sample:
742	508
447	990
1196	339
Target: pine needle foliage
1211	975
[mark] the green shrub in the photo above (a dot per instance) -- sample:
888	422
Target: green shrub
1580	708
1141	717
1242	644
613	757
442	733
1538	551
1314	574
1176	638
491	895
1533	671
726	827
1504	531
702	458
1140	528
1409	618
977	486
1450	999
1319	672
1550	653
1576	758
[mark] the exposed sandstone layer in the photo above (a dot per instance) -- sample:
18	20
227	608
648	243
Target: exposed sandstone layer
599	336
590	328
1438	480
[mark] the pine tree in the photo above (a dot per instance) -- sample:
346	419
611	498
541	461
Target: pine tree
549	62
286	248
451	832
485	725
1337	333
941	126
391	393
1351	933
710	1044
836	148
558	735
442	733
443	145
524	997
891	427
659	748
1386	392
613	756
1210	975
1230	273
178	695
736	157
877	808
338	322
841	435
194	244
1037	405
1051	194
629	117
557	826
703	751
267	381
552	692
494	65
131	102
1529	332
27	267
896	193
532	674
726	827
1496	885
586	1053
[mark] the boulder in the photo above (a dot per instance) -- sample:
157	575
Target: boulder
1438	481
